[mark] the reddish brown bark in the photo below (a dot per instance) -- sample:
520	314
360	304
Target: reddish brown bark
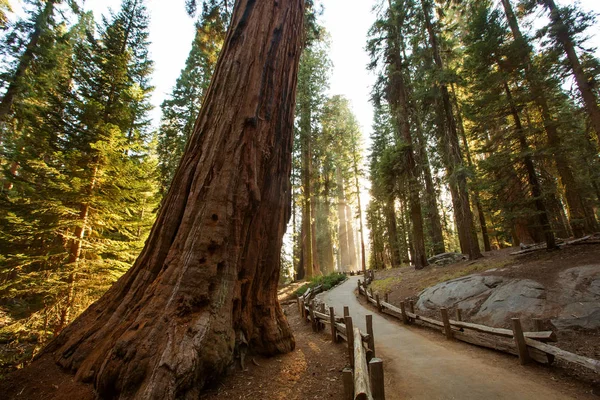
397	96
207	279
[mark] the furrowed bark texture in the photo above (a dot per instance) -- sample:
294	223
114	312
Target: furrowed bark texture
208	275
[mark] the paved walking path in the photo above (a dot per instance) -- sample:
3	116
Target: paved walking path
420	367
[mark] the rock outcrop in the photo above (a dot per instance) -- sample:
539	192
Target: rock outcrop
572	302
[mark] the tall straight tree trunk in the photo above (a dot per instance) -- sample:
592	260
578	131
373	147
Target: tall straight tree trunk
41	24
430	196
405	248
360	219
397	97
343	232
207	278
575	202
307	208
453	156
476	195
351	238
316	267
392	228
536	188
581	79
328	264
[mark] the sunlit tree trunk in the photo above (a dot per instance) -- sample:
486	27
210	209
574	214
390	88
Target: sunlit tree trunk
207	278
453	155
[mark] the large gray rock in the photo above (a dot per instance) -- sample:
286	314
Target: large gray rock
579	298
573	302
446	259
468	289
524	297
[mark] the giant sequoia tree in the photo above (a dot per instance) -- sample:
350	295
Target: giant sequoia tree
206	281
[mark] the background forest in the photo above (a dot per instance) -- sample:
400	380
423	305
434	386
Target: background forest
485	135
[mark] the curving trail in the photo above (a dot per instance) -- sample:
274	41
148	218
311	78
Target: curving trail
420	365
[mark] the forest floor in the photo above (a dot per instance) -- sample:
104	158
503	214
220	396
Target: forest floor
312	371
544	267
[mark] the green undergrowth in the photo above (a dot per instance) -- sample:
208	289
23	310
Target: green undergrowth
385	285
328	281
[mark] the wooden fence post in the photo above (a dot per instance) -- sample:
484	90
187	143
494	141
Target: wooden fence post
322	311
377	381
386	297
348	378
369	320
403	310
411	306
379	307
446	320
538	327
346	311
458	314
520	341
350	336
313	320
332	321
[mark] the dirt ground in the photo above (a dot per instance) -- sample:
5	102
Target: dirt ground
312	371
544	267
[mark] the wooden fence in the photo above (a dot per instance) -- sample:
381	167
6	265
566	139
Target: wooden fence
527	345
364	379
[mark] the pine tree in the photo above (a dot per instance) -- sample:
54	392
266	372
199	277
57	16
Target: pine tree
24	46
312	83
5	8
180	110
452	152
213	257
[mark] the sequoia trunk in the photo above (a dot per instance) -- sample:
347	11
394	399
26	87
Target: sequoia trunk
206	282
399	103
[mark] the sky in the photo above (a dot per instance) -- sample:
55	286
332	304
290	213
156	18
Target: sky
348	22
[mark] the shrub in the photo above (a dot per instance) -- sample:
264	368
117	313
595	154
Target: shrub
328	281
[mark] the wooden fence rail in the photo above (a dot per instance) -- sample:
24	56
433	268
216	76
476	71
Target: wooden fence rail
527	345
365	379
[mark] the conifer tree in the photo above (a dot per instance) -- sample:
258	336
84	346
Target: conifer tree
25	47
179	111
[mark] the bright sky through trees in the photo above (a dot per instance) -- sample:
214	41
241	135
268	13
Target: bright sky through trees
347	21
